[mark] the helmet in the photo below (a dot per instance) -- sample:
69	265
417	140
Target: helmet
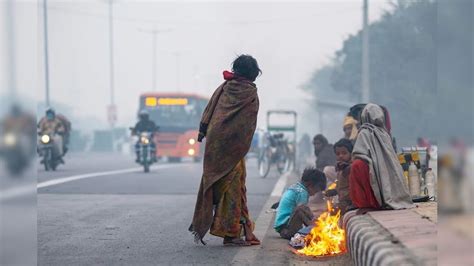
50	110
50	113
143	114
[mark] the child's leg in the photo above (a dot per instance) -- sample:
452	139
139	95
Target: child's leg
302	215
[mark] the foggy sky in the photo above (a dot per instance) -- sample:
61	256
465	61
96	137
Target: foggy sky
289	40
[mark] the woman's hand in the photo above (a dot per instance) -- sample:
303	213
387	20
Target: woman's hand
202	131
200	136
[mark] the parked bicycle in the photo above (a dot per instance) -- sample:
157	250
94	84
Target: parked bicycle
275	151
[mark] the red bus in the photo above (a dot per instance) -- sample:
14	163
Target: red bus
178	116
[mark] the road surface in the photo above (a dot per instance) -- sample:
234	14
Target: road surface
98	209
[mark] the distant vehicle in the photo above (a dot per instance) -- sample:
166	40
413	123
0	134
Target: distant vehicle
14	149
278	148
47	151
178	116
277	152
146	158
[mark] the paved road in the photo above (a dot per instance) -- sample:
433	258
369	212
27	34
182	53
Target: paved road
17	217
129	218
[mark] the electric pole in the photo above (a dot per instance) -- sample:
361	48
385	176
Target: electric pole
365	55
10	51
178	66
111	55
112	108
46	55
154	33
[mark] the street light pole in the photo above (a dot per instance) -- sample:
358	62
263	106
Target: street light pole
111	51
154	32
10	51
112	109
365	55
178	81
46	55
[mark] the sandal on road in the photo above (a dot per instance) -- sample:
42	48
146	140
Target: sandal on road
236	242
254	241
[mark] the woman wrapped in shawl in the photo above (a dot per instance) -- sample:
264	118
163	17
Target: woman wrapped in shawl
376	178
228	124
350	128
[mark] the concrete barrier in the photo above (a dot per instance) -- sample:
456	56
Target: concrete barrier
370	243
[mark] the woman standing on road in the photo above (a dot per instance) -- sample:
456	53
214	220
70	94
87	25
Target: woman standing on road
228	123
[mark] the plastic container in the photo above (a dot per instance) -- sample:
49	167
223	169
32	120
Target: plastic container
414	180
407	183
430	183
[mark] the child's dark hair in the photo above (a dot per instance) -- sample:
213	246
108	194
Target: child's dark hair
246	66
316	177
344	143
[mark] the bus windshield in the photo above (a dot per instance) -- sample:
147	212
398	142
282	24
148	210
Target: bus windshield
174	112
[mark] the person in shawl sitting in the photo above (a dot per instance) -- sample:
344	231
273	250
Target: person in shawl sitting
324	152
350	128
376	178
228	124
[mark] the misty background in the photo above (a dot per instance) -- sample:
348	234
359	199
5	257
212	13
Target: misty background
310	54
199	41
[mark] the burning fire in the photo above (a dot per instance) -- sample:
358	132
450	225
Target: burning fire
326	237
332	186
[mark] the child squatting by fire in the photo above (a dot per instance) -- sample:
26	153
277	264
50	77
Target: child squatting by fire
293	212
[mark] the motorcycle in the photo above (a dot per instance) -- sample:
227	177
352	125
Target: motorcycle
50	160
276	151
145	149
15	151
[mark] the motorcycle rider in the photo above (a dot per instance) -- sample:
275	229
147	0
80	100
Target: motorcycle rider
145	125
19	121
67	131
53	126
18	135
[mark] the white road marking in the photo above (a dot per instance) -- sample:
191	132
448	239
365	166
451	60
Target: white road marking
63	180
264	218
279	186
17	192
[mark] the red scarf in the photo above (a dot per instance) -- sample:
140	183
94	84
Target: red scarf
231	75
228	75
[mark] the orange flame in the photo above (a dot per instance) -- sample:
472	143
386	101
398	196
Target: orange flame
332	186
326	237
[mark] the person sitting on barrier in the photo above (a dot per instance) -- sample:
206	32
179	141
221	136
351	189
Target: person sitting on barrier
343	149
293	211
350	128
376	178
324	152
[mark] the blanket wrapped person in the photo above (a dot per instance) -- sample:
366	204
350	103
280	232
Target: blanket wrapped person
228	123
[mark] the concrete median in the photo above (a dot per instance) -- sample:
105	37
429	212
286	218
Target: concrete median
401	237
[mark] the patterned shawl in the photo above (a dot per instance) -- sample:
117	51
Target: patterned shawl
231	116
